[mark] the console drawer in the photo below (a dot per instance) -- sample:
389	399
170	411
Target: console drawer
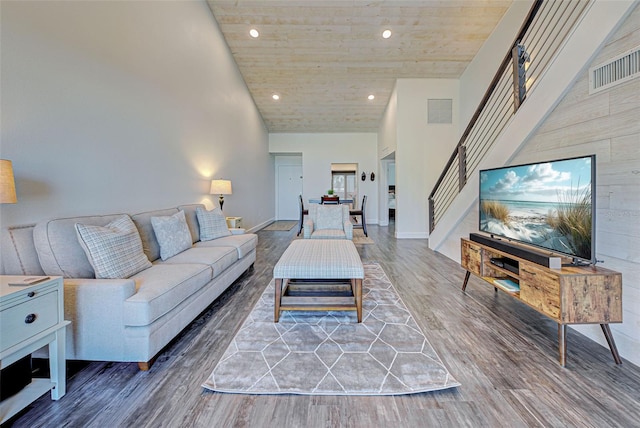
540	289
471	256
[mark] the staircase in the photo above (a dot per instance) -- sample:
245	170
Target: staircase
555	43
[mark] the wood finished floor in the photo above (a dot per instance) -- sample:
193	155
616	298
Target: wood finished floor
503	353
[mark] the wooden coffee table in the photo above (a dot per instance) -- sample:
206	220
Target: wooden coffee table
319	275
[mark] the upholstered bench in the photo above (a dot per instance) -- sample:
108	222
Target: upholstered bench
320	275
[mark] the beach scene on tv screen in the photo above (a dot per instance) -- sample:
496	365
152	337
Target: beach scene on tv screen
546	204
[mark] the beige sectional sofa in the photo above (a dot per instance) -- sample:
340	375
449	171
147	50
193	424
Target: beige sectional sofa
128	319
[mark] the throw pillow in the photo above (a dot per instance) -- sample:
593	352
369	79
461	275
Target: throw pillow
172	234
114	250
212	223
329	217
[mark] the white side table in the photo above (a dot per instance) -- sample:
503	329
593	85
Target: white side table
234	222
32	316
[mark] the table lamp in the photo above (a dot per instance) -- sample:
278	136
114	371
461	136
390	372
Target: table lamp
221	187
7	183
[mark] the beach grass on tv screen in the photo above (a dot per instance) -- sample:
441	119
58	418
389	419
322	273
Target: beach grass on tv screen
495	210
572	219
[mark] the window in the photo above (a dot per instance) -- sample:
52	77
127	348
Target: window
343	181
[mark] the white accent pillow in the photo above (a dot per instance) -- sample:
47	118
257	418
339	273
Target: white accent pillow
172	233
212	223
114	250
329	217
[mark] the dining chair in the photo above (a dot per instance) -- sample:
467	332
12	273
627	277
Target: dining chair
361	214
303	212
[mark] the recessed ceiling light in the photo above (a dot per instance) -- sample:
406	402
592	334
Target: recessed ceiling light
275	97
386	34
254	33
371	97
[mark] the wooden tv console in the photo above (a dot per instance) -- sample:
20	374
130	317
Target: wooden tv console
570	295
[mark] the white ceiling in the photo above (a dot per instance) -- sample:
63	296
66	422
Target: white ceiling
325	57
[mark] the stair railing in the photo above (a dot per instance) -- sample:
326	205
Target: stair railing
539	39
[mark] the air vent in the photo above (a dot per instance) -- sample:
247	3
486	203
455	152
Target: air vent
439	111
618	70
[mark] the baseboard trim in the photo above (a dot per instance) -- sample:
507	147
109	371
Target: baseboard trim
261	226
412	235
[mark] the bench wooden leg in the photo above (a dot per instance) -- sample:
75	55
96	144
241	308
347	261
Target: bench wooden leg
358	293
278	294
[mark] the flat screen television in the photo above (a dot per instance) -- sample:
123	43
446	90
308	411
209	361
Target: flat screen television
550	205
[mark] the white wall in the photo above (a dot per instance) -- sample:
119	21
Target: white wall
388	129
422	150
387	144
391	174
320	150
124	107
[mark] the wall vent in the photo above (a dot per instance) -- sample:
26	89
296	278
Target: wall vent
615	71
440	111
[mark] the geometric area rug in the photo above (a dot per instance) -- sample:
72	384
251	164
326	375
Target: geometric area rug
329	353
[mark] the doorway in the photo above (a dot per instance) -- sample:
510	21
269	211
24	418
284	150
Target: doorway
388	190
391	190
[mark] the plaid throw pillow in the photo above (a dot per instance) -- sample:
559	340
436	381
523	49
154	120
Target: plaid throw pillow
172	234
213	224
114	250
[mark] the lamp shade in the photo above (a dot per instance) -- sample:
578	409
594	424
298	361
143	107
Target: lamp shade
220	187
7	183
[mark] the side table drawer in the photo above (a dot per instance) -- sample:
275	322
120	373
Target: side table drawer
27	319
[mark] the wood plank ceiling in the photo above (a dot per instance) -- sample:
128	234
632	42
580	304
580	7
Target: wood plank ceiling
324	58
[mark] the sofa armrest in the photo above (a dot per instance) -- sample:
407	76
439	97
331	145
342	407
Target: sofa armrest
348	229
95	308
237	231
308	228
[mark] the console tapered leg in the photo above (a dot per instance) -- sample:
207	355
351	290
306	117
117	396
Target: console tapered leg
466	279
562	343
612	344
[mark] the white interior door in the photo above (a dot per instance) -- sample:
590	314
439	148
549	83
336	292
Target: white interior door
289	188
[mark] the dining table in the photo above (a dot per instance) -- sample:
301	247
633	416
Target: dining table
319	201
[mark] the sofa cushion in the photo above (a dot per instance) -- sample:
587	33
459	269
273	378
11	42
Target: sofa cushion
19	256
192	220
161	288
143	223
58	248
219	258
212	223
172	234
114	250
243	243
